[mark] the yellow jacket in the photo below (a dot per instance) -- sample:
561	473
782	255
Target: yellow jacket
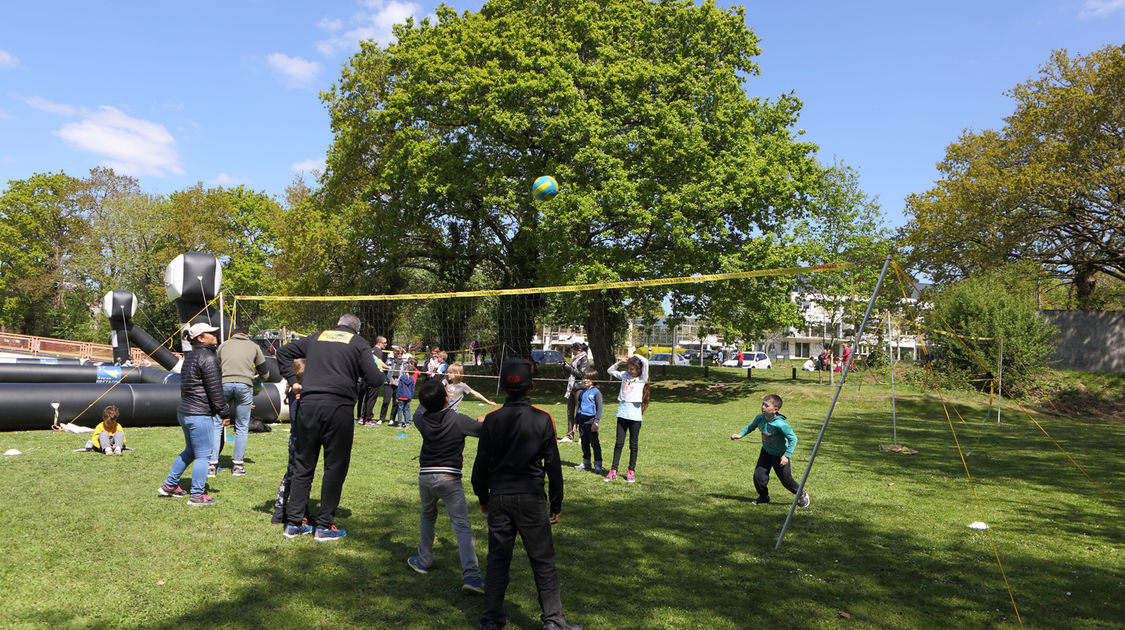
98	430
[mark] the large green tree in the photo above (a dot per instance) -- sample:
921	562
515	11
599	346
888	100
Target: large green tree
1048	187
41	230
638	108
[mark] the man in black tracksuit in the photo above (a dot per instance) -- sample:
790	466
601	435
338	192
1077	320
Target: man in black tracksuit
516	448
334	360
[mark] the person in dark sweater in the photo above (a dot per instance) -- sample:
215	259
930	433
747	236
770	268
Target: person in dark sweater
443	433
517	448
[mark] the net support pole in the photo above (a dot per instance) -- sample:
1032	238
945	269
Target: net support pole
835	397
1000	387
891	356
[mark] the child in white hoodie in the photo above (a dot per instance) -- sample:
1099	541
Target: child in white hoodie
631	403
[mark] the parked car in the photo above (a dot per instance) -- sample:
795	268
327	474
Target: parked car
665	358
756	360
547	357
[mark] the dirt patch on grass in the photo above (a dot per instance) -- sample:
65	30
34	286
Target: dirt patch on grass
1077	399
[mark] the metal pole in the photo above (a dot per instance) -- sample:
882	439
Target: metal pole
503	347
835	397
1000	393
891	354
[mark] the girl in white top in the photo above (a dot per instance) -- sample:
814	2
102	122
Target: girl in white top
631	403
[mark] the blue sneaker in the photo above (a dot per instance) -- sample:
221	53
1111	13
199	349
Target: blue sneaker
416	563
473	585
328	534
292	531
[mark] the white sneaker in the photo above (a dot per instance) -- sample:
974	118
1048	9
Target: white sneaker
566	439
117	450
582	466
804	500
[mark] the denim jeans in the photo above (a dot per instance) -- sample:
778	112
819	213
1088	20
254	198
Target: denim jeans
239	396
198	432
446	487
527	515
402	408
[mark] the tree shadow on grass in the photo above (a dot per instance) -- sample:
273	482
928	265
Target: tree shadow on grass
647	556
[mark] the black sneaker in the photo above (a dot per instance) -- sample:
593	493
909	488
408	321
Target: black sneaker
760	501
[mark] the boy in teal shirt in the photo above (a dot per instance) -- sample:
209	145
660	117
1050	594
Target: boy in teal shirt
778	442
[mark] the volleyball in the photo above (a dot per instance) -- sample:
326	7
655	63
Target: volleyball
544	188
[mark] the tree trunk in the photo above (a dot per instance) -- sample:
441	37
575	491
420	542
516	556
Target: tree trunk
515	324
1084	285
603	326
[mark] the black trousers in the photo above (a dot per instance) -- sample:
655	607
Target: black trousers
324	422
590	439
633	428
526	515
389	390
762	474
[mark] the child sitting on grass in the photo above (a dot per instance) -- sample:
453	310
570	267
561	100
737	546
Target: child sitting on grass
778	442
109	436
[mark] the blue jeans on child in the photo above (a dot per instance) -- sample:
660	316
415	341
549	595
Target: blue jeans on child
446	487
239	396
198	431
402	408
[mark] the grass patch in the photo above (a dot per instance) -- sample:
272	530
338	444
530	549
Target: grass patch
885	540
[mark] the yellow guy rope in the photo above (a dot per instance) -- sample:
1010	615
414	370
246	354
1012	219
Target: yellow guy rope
134	368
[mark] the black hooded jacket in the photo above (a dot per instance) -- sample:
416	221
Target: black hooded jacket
443	439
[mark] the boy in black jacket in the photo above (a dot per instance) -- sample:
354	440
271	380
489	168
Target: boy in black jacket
443	440
517	447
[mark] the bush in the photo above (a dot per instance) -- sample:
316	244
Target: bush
1000	304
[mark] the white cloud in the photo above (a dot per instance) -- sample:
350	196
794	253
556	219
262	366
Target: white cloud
223	179
8	60
1097	8
329	24
43	104
309	166
375	25
130	146
5	115
297	72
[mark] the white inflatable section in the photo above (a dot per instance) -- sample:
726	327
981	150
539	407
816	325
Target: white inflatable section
174	278
110	311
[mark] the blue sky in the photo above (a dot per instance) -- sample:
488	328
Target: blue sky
226	93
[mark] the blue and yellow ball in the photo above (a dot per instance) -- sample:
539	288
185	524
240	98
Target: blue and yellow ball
544	188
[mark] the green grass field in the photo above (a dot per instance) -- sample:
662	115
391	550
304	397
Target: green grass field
885	543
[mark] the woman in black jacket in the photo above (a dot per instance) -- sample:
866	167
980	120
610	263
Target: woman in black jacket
201	400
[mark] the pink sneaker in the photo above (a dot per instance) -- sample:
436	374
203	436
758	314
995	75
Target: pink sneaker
612	476
630	477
